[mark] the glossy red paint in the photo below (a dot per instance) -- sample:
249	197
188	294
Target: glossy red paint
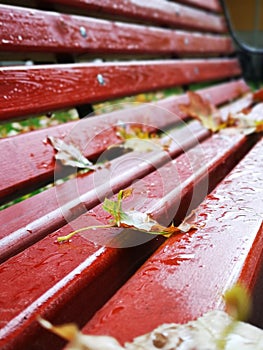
212	5
37	89
100	132
189	273
54	275
75	34
38	219
141	46
156	11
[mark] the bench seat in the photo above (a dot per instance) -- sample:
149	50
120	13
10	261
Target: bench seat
189	273
63	54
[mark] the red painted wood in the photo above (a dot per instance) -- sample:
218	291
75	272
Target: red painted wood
51	209
156	11
41	214
62	33
54	274
212	5
189	273
32	90
39	166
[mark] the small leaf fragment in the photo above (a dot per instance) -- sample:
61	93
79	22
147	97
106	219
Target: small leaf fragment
238	302
123	194
69	154
238	306
67	331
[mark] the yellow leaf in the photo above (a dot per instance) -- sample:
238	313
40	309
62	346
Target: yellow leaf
238	302
67	331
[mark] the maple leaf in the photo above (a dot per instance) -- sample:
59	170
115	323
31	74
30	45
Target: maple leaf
203	111
69	154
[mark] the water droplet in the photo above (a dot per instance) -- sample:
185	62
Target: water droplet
83	32
20	38
100	79
5	41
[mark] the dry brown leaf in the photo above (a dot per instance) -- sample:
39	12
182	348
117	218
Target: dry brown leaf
203	111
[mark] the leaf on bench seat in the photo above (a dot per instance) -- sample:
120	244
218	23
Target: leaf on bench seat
69	154
140	139
204	111
215	330
247	121
132	219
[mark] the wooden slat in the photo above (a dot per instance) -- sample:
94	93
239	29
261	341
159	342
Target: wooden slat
55	274
212	5
189	273
156	11
32	90
64	33
39	166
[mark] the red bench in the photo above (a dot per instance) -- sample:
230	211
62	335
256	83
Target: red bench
80	53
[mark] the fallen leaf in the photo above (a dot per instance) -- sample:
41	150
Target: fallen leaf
137	220
69	154
132	219
248	123
80	341
141	140
203	111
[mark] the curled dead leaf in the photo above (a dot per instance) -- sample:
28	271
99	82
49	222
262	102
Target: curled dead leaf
69	154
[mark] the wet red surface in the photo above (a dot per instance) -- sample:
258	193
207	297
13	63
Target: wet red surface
54	274
189	273
64	33
92	136
38	89
157	12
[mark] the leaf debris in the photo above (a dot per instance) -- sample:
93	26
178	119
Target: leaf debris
140	139
69	154
247	121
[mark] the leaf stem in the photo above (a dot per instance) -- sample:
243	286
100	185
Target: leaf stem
71	234
221	343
